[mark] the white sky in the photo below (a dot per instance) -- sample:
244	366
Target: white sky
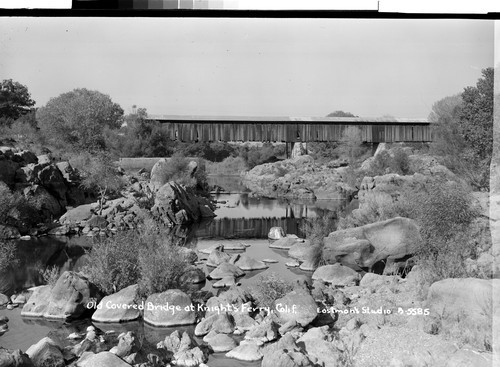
249	67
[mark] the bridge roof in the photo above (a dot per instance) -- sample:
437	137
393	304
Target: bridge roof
284	119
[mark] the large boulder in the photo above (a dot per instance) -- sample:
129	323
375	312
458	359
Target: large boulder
469	296
119	307
157	177
363	247
247	351
78	215
275	233
317	343
102	359
68	299
221	343
46	204
46	353
302	251
337	275
297	305
222	323
51	178
176	204
170	308
8	171
217	257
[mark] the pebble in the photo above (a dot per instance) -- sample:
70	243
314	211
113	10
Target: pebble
271	261
292	264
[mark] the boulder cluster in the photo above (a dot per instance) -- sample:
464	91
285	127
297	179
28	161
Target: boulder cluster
48	188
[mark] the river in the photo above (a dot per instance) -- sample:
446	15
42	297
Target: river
240	216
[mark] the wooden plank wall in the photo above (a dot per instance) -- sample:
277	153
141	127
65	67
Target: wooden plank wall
292	132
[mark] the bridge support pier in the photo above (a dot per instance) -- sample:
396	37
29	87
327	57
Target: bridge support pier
289	150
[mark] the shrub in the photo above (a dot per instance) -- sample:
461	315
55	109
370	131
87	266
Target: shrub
315	230
229	166
395	161
50	275
148	257
269	288
8	257
15	209
113	262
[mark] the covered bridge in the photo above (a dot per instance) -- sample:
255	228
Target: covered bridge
293	129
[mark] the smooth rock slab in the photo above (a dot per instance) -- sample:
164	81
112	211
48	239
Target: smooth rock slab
103	359
157	312
228	281
238	246
337	275
226	270
118	307
246	351
221	343
245	262
286	242
270	261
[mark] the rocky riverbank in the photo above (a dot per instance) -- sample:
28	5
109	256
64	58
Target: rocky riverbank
47	198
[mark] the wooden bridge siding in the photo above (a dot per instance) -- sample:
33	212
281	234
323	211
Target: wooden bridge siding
292	132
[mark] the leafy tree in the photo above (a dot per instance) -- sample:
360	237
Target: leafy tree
463	133
15	101
340	114
351	144
78	119
476	117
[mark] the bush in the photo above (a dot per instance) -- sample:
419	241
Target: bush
230	166
8	257
146	257
16	210
50	275
315	230
113	262
269	288
395	161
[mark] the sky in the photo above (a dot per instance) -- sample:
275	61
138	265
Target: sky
250	66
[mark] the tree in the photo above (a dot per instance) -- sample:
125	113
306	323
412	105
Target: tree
340	114
15	101
351	144
463	131
476	117
78	119
101	174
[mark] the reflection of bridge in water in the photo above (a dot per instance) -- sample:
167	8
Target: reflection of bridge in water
249	227
295	216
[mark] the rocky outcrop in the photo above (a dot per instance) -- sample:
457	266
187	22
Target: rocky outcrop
67	300
176	204
299	177
363	247
47	187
